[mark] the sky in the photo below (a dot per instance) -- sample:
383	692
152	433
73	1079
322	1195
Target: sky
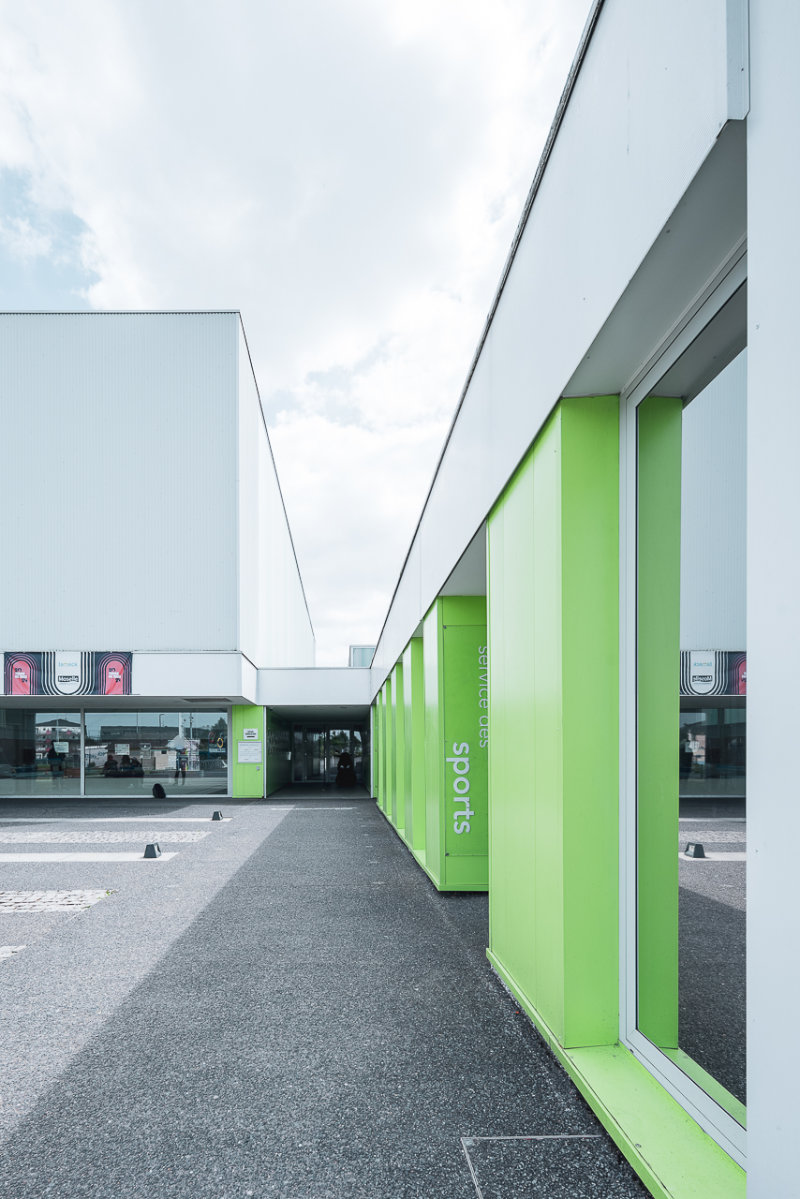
349	174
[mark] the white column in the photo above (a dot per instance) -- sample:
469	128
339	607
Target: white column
773	474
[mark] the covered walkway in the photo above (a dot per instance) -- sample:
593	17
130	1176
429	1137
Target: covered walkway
285	1009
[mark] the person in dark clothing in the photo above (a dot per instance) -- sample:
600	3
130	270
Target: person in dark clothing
345	771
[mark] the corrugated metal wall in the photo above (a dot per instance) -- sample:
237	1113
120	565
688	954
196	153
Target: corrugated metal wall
119	520
275	628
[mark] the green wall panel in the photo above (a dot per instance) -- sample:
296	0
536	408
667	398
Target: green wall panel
456	743
658	710
391	770
434	739
553	570
247	778
384	747
399	723
414	733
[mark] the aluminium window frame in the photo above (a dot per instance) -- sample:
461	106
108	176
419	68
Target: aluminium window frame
711	1117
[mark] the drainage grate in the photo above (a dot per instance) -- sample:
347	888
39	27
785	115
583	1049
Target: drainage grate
48	901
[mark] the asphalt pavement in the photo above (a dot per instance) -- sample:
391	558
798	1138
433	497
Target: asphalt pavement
284	1009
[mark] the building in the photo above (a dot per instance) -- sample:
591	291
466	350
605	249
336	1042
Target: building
150	533
601	585
604	574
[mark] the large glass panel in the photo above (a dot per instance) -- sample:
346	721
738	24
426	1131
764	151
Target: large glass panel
125	753
308	764
691	685
40	753
329	755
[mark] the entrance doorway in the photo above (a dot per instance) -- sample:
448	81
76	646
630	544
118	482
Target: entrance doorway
317	748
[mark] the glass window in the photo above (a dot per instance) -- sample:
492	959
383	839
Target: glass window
125	753
40	753
690	695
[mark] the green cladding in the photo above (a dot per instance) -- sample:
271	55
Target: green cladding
247	747
553	569
658	706
414	742
456	743
398	813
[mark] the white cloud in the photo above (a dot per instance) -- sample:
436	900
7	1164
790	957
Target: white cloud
347	173
23	241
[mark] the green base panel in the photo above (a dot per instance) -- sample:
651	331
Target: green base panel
461	874
670	1152
466	874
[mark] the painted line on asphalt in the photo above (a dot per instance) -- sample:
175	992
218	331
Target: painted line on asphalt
82	857
565	1136
712	820
546	1136
56	836
113	820
715	857
8	951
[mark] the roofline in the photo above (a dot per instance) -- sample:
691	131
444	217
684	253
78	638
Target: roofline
566	94
120	312
277	476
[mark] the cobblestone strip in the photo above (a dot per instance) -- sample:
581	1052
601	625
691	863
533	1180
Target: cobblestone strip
48	901
9	837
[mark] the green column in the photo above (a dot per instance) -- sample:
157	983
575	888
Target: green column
456	743
247	775
380	751
390	748
384	750
553	639
398	813
414	740
658	714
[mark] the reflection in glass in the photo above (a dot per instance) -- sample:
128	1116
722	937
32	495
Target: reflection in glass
126	752
39	753
319	750
691	740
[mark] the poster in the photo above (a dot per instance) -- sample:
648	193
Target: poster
66	672
713	672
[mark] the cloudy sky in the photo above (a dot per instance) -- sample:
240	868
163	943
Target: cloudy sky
348	173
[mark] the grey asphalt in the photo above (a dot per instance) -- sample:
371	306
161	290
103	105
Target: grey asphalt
712	958
285	1010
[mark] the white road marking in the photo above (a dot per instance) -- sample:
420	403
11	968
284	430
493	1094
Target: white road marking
112	820
715	857
711	821
83	857
8	951
567	1136
102	837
